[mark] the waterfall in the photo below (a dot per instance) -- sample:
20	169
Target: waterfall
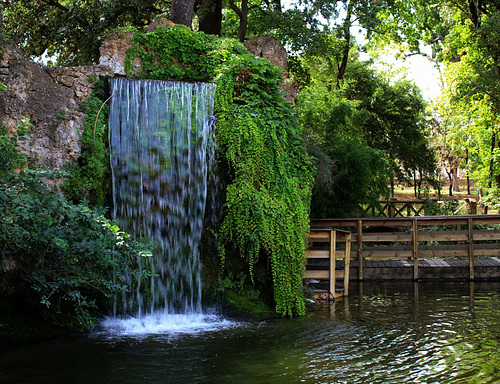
160	134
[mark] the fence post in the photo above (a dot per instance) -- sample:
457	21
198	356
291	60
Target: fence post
360	250
347	262
333	250
415	249
470	248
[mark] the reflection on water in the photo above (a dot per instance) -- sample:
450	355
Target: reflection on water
383	333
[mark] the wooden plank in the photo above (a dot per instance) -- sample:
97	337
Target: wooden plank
387	237
388	252
442	236
347	264
415	249
319	235
486	235
450	252
480	251
470	249
359	241
482	263
318	254
333	246
322	274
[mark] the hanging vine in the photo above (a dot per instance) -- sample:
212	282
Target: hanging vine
266	213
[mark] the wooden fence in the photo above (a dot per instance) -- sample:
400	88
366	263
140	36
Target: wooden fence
414	238
408	208
330	253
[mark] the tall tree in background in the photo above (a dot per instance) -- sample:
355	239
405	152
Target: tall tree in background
209	14
181	12
70	30
465	36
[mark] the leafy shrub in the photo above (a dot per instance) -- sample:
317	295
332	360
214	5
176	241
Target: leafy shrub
69	256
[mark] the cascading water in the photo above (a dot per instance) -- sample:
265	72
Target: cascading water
160	133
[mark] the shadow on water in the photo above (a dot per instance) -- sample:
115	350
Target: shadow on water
383	333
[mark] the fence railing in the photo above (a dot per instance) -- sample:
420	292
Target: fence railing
414	238
408	208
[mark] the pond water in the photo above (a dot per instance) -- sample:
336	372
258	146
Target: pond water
382	333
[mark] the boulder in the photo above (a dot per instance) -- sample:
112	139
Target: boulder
267	46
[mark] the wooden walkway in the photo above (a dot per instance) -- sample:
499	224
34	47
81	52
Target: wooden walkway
486	268
461	247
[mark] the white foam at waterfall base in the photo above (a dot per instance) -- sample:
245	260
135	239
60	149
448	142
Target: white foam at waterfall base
159	323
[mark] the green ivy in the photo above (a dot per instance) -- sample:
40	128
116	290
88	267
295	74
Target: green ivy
176	53
265	220
90	178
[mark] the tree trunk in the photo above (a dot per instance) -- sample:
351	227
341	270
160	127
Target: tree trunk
467	165
347	42
1	22
276	6
415	190
209	16
181	12
456	185
243	15
450	177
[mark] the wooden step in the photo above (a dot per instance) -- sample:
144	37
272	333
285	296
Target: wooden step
318	235
322	274
323	253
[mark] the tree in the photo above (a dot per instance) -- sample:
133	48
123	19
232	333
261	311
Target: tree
348	171
465	38
209	14
242	12
72	31
181	12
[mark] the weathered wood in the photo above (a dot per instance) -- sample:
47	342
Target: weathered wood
347	264
386	237
359	241
415	250
405	239
442	235
407	221
322	274
324	253
333	246
470	249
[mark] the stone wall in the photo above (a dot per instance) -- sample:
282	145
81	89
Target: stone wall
50	97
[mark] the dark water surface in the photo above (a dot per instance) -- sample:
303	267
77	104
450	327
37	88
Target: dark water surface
383	333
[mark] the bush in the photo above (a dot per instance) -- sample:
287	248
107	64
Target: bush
69	256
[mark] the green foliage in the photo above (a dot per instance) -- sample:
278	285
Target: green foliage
268	197
265	217
90	177
73	30
10	157
176	53
441	208
69	257
349	172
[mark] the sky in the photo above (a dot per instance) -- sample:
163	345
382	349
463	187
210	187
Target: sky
417	68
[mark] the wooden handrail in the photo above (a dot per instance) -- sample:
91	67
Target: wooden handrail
331	236
405	237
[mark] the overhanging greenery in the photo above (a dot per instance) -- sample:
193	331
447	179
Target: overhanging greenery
265	217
